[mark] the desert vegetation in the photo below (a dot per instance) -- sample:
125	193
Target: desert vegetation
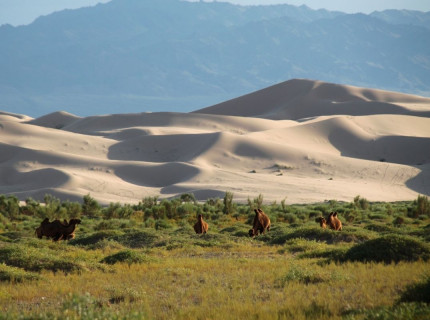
145	260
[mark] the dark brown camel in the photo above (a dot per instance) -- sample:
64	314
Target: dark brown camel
201	226
260	224
57	230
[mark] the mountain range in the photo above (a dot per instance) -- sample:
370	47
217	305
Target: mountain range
171	55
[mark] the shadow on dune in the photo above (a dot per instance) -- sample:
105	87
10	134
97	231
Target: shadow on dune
163	148
420	183
157	175
393	149
13	181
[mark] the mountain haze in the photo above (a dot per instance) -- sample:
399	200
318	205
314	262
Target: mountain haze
132	55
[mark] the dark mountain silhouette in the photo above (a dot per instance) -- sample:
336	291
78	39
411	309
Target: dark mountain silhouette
133	55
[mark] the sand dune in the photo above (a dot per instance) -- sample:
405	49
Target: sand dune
299	98
303	140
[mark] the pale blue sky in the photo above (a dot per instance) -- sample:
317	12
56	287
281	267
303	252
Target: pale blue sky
18	12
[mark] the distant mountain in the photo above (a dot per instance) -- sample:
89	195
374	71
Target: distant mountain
133	55
408	17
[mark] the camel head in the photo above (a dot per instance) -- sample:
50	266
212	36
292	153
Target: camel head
74	221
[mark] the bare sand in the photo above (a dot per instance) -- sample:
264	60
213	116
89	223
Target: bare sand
301	140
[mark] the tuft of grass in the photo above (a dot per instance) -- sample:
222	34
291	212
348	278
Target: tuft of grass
302	275
307	275
78	306
390	248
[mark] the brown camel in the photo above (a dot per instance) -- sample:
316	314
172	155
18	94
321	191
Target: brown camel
260	224
322	222
57	230
334	222
201	226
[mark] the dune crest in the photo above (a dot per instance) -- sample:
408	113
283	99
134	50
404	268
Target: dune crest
301	98
307	141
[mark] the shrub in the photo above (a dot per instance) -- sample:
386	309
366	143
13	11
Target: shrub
137	239
9	206
398	221
319	234
125	256
390	248
90	206
361	203
14	274
228	207
188	197
162	224
96	237
418	292
237	230
36	259
379	227
422	206
402	311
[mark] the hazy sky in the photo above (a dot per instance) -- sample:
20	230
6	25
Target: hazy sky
17	12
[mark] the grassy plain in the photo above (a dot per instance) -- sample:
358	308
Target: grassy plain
144	261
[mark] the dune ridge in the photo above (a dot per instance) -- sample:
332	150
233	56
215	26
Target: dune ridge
303	140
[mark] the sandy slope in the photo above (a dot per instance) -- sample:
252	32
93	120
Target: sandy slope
303	140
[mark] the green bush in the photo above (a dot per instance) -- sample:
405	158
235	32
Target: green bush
390	248
379	227
137	238
422	207
125	256
96	237
162	224
37	259
319	234
418	292
14	274
237	230
403	311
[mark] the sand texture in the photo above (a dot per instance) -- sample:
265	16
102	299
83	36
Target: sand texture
303	140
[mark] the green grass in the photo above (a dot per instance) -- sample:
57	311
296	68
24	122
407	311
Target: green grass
152	265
